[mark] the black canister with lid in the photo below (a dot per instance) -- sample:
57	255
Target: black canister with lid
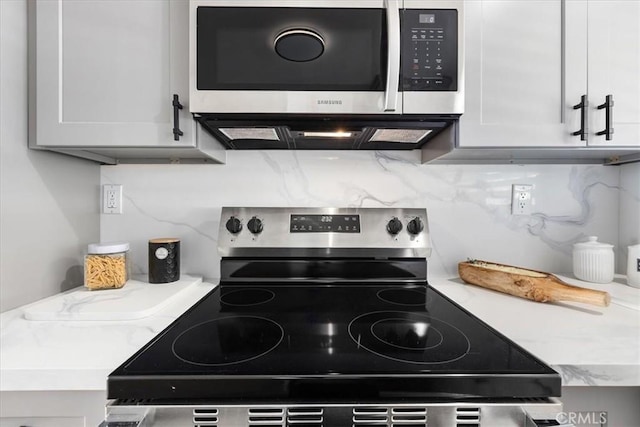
164	260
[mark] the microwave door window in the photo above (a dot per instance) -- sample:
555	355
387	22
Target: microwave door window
291	49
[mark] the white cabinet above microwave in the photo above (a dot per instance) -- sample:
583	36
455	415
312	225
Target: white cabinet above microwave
551	81
108	82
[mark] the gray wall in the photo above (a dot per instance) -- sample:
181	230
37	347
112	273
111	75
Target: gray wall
49	203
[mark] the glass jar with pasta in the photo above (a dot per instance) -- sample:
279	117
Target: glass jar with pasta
106	265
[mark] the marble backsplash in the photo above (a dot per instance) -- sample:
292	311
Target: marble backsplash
468	205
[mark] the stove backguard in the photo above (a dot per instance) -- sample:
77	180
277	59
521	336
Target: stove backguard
307	233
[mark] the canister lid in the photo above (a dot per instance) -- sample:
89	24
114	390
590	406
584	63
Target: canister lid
592	243
164	240
107	248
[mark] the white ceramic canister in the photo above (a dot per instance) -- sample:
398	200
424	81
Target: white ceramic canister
593	261
633	266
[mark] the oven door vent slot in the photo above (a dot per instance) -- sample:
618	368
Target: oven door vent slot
266	417
205	417
408	416
370	416
305	417
467	417
390	417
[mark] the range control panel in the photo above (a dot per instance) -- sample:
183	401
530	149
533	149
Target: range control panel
325	223
430	50
349	231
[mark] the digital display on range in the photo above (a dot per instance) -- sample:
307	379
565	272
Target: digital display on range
325	224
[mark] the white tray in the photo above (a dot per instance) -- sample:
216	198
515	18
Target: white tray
137	299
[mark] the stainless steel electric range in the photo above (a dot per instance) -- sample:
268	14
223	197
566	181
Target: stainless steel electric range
324	317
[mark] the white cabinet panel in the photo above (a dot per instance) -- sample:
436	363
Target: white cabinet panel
614	69
520	64
114	65
521	73
103	74
43	422
106	73
79	408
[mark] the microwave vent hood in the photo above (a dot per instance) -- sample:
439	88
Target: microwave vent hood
329	75
247	132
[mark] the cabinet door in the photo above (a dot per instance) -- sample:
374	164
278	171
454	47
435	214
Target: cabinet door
525	69
106	70
614	69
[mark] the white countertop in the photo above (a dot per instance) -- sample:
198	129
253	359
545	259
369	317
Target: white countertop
137	300
77	355
588	346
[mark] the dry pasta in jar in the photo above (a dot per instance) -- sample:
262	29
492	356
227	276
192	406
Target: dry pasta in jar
106	265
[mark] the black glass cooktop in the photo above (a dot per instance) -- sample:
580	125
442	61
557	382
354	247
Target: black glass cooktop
365	341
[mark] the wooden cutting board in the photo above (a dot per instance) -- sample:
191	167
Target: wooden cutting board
530	284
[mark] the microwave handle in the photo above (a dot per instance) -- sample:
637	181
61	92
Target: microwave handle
393	55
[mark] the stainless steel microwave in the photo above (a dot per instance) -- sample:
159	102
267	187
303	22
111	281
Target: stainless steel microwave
326	57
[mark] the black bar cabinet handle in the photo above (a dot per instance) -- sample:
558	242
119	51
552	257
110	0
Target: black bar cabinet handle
583	118
177	133
608	112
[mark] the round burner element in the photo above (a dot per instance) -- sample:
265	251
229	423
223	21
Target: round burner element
409	337
247	297
227	340
405	296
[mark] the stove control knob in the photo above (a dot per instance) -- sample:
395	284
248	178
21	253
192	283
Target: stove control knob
415	226
394	226
234	225
255	225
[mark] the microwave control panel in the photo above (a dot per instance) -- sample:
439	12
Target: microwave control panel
430	50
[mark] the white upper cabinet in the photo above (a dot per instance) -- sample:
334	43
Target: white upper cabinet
104	76
529	63
614	70
517	63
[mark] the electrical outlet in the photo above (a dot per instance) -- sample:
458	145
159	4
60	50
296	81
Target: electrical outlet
521	199
112	199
